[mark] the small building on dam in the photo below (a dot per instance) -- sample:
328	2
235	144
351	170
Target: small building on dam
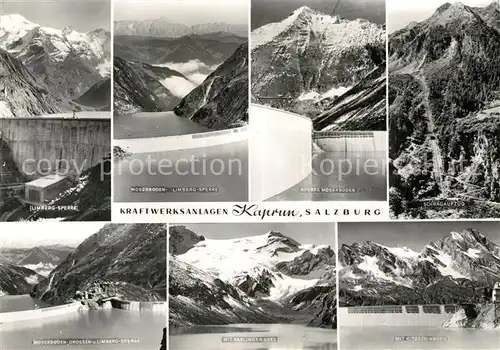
45	188
495	297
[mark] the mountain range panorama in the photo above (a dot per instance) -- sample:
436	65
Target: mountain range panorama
61	66
276	280
453	269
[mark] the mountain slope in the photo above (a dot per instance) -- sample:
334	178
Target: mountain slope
310	56
454	269
221	101
130	258
266	277
25	96
363	107
446	133
142	87
98	96
16	280
66	61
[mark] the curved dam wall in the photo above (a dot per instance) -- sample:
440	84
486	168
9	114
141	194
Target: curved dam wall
398	315
352	141
6	317
42	144
156	307
280	151
182	142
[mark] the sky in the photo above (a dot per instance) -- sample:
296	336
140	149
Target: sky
267	11
414	235
187	12
81	15
400	13
32	234
304	233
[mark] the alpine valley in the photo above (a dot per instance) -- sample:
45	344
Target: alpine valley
268	278
444	97
455	269
45	70
115	282
199	74
326	67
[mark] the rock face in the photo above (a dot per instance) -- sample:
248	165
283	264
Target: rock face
221	101
21	94
16	280
123	261
182	239
454	269
312	58
65	61
276	279
165	28
138	87
444	131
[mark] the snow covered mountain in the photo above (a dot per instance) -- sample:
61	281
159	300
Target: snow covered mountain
453	269
221	101
310	57
165	28
268	274
66	61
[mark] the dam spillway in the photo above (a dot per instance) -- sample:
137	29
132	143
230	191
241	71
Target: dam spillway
351	141
396	315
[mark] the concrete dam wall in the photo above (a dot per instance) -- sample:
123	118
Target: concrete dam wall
42	144
280	151
397	315
351	141
182	142
7	317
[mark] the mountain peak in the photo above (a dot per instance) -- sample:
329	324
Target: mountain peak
450	12
14	21
66	30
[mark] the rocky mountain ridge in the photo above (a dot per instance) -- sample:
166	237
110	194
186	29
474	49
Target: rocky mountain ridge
453	269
